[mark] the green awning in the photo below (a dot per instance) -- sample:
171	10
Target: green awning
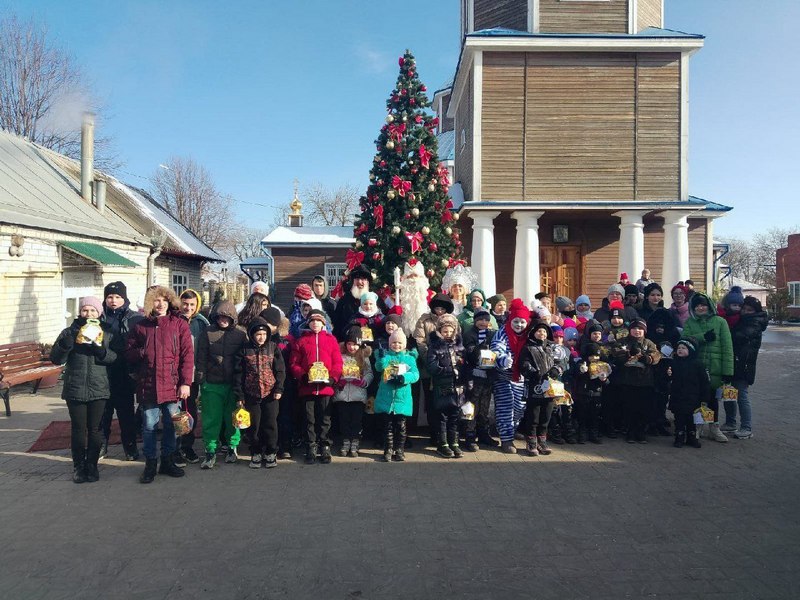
98	254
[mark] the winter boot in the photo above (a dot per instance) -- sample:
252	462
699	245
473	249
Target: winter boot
92	473
680	438
452	441
443	448
311	453
168	467
530	446
485	439
594	436
471	441
541	444
570	436
325	454
556	435
353	448
508	447
581	435
388	444
79	472
400	454
345	449
691	440
149	474
715	434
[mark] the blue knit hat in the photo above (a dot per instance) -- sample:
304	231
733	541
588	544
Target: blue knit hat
734	296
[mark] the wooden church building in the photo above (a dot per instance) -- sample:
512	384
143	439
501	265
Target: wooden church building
571	134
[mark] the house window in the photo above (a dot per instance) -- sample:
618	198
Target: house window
794	293
180	282
333	273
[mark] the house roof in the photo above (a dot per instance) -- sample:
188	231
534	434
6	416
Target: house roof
97	254
649	32
35	192
309	236
744	284
447	145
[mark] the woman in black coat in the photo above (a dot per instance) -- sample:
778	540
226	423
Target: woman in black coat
85	348
746	336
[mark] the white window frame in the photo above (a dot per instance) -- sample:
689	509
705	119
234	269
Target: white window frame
793	287
177	285
334	273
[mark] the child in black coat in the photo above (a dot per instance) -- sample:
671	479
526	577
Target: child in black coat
590	378
690	386
479	389
537	365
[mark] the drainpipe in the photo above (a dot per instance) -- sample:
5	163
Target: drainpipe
87	156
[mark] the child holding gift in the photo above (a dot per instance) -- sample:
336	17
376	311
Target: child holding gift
398	368
590	377
690	387
480	364
351	394
445	363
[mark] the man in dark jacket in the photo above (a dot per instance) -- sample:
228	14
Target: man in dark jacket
746	337
615	292
121	319
356	285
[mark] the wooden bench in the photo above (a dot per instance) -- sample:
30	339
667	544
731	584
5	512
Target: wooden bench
20	363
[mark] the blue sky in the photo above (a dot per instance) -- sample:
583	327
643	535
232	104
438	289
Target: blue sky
262	93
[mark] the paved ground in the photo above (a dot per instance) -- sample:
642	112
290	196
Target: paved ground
615	521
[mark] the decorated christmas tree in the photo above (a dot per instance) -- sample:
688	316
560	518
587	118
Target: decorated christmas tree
405	213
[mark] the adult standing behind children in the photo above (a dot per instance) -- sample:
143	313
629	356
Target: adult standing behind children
319	286
161	353
715	351
85	348
615	293
121	319
680	304
355	286
746	337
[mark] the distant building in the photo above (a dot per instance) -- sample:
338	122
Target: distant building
65	233
787	272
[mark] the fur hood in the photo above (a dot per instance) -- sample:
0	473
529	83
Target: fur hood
159	291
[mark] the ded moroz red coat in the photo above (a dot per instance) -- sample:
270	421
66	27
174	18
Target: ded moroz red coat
161	353
310	348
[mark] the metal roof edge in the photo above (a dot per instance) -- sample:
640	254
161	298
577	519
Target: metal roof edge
693	204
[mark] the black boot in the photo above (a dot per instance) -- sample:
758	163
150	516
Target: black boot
679	439
555	435
325	454
400	442
472	441
487	440
150	467
311	453
692	440
92	473
443	449
570	436
452	441
582	435
168	467
594	436
78	472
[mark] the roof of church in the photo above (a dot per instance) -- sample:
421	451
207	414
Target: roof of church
649	32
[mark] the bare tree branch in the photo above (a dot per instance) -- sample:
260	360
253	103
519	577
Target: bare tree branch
329	207
247	242
43	93
187	190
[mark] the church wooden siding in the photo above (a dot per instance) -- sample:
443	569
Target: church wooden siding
698	243
581	126
648	14
556	16
658	98
463	125
508	14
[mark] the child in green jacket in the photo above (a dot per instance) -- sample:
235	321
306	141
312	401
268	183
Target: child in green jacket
398	369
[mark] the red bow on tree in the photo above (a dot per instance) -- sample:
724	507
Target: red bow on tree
444	178
378	216
354	259
415	239
424	157
396	131
446	216
401	185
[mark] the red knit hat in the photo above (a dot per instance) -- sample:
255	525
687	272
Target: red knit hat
518	310
303	291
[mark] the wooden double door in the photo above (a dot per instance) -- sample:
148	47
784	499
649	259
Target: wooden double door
560	271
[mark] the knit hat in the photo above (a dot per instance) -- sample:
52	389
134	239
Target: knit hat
442	300
616	309
681	288
398	336
570	333
593	326
518	310
689	341
564	303
557	331
638	322
353	335
394	318
734	296
482	313
367	296
314	303
303	291
631	290
317	315
92	301
493	300
541	325
623	277
116	287
583	299
753	303
271	315
616	288
258	324
480	293
591	349
446	319
259	287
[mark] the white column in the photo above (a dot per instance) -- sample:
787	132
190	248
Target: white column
483	249
526	255
631	243
675	267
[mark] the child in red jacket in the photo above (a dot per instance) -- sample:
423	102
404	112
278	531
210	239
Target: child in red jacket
316	363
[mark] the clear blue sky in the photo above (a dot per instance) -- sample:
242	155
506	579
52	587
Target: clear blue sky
265	92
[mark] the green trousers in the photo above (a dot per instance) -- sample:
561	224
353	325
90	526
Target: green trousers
218	404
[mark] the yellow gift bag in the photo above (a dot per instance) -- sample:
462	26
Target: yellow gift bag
241	418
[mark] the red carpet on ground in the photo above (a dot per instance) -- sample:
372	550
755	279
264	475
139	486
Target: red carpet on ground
56	436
